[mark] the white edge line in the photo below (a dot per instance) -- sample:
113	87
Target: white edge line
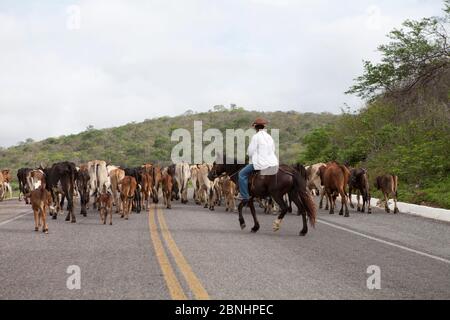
12	219
385	242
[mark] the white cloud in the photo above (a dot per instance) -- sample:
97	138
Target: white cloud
131	60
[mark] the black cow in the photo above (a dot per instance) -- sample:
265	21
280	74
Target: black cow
137	174
359	181
61	178
23	184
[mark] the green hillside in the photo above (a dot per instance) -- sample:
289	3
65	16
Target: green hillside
149	141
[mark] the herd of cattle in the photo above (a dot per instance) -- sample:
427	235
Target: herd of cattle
132	189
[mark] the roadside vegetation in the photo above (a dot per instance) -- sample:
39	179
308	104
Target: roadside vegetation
405	127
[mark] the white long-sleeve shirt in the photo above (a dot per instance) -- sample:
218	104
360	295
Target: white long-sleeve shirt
262	151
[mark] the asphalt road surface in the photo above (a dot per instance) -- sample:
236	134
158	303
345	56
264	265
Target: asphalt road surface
191	253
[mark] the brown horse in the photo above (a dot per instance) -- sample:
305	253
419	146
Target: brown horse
286	181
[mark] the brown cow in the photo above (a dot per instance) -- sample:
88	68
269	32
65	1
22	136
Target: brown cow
167	186
147	184
116	176
335	178
157	179
388	184
105	204
128	187
41	200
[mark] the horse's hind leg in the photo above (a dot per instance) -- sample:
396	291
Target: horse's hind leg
301	208
255	219
283	208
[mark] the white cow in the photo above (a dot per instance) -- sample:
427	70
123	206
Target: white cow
314	183
99	178
182	176
195	184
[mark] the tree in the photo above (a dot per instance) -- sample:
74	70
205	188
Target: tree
416	54
219	108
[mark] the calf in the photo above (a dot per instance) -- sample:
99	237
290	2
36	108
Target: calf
116	176
167	186
388	184
229	193
335	178
359	180
218	191
206	189
41	200
105	204
128	187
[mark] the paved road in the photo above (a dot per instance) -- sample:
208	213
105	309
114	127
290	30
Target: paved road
189	252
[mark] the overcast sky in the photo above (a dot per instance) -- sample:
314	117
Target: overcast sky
122	61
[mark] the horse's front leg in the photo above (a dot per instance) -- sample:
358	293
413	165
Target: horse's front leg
241	217
255	219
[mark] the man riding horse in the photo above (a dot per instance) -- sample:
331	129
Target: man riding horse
262	156
273	180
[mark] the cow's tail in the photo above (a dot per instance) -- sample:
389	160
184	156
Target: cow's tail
305	197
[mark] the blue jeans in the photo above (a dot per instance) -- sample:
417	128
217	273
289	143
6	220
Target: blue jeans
244	174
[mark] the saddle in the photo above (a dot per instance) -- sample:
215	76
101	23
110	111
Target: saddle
271	171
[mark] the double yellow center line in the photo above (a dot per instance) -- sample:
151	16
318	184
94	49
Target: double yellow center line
173	284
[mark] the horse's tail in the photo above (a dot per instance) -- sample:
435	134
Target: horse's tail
305	197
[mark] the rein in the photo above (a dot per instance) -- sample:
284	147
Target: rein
231	176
